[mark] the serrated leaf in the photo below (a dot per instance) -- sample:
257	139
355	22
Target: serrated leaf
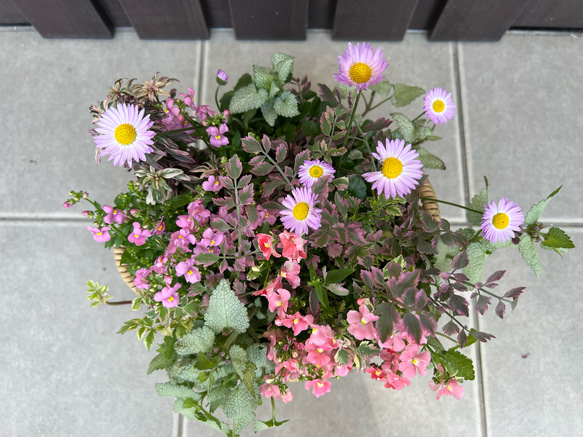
405	126
250	145
342	357
536	211
225	310
557	238
238	357
160	362
405	94
263	76
476	259
281	152
429	160
477	203
529	254
234	167
286	105
284	64
197	341
247	98
456	362
239	403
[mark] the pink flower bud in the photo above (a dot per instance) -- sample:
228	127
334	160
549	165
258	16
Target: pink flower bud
67	204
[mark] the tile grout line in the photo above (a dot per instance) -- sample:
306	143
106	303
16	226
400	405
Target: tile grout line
465	176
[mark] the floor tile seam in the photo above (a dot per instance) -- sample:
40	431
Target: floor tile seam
201	71
466	184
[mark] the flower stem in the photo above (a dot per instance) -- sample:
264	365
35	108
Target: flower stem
452	204
121	302
351	118
217	98
418	117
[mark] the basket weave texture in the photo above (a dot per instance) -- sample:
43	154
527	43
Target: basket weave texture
425	191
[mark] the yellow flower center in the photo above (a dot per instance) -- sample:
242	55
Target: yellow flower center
360	73
500	220
438	106
320	384
99	233
280	303
414	361
170	299
216	182
295	321
316	171
301	211
377	373
114	211
125	134
363	321
319	350
392	168
218	137
136	236
448	387
212	242
189	272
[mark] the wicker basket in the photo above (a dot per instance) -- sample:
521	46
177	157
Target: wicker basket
425	191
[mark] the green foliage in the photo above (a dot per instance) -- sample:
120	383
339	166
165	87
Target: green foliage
477	203
429	160
197	341
536	211
98	294
225	310
529	254
405	94
405	125
172	389
458	364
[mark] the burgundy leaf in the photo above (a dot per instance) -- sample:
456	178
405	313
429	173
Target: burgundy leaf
450	328
482	336
281	152
482	304
460	261
459	305
496	276
500	309
515	292
462	338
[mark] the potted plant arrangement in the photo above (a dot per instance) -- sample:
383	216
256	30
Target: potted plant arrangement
285	237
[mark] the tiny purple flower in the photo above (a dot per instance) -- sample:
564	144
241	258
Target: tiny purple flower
217	136
168	296
211	184
222	77
139	235
113	215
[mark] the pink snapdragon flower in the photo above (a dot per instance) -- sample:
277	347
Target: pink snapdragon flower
319	386
290	271
278	299
451	388
100	235
265	242
271	287
113	215
270	391
317	353
198	212
287	397
361	325
212	184
139	235
217	135
168	296
186	268
293	246
413	361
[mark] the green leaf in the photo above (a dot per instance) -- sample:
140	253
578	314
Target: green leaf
405	94
238	357
529	254
160	362
477	257
197	341
251	145
536	211
263	76
207	258
149	340
171	389
357	187
429	160
239	403
557	238
477	203
322	295
247	98
284	64
456	362
338	275
268	112
286	105
248	378
203	362
225	310
383	88
405	126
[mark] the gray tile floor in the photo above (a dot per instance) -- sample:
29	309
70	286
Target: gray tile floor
64	371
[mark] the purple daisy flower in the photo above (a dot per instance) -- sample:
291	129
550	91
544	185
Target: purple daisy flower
311	171
301	213
125	134
400	171
222	77
499	222
439	107
359	66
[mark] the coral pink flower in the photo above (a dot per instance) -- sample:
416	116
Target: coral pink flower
394	342
278	299
395	381
342	370
450	388
376	373
296	322
287	397
100	235
113	215
168	296
139	235
319	386
290	272
413	362
361	325
293	246
270	390
317	354
271	287
265	242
